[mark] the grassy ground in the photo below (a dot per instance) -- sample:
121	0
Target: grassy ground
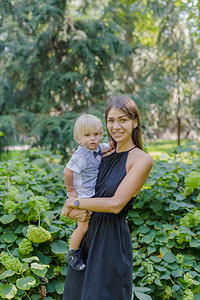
158	149
163	148
21	154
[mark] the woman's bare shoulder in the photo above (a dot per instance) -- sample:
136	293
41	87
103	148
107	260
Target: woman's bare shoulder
139	157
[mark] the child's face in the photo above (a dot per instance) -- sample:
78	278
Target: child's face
90	141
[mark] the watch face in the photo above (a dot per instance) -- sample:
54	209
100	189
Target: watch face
76	203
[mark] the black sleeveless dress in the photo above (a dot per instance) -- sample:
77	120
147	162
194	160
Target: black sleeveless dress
106	247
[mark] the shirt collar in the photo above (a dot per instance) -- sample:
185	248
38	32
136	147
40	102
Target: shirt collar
92	151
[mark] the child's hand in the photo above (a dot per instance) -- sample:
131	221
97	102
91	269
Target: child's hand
110	150
112	145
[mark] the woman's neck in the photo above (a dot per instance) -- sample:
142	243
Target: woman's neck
121	147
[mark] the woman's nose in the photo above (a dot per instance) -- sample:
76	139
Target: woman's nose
116	125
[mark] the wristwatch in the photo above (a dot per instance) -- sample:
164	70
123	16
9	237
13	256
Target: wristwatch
76	203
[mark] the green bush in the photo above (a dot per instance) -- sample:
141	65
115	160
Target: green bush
8	133
33	234
165	226
164	223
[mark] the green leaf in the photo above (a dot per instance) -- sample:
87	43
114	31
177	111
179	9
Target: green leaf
151	250
165	276
143	229
158	282
147	239
50	273
54	228
180	197
188	262
155	258
51	286
46	219
158	226
64	270
197	268
44	259
177	273
59	247
173	206
39	269
9	237
173	266
161	269
176	287
30	259
19	229
133	214
141	289
59	287
8	291
169	257
193	274
142	296
170	243
183	284
138	221
157	206
195	243
7	219
186	230
25	283
7	273
37	188
36	297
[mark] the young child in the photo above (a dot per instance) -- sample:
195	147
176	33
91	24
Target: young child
80	175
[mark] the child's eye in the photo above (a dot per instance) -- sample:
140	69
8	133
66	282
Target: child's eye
87	134
110	121
123	120
96	133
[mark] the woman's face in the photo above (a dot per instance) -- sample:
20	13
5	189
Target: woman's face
119	125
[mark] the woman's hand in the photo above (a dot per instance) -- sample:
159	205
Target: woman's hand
74	213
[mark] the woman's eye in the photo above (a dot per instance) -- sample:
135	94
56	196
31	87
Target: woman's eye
123	120
87	134
110	121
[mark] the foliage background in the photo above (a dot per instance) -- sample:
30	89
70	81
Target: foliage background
59	58
164	224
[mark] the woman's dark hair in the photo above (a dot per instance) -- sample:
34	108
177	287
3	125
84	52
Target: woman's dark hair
129	107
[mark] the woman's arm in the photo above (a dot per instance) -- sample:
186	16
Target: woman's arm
128	188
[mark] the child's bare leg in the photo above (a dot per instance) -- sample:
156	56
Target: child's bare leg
78	234
73	256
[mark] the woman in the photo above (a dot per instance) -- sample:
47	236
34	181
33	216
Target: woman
106	248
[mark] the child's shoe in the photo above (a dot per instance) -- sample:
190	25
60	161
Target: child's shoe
74	259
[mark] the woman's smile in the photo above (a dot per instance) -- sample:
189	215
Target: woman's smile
117	134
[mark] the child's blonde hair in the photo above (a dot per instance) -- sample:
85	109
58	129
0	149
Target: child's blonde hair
86	124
